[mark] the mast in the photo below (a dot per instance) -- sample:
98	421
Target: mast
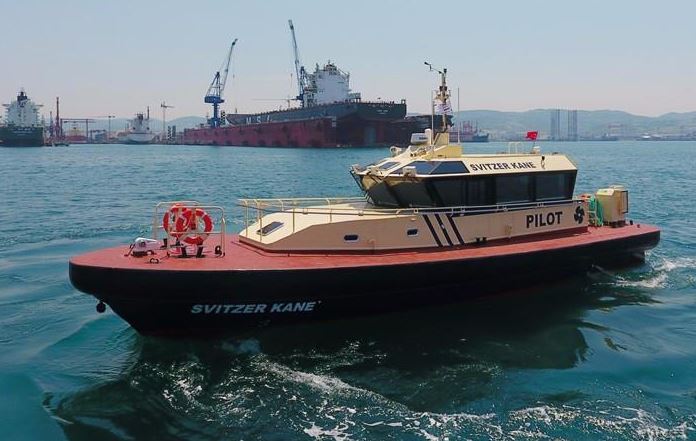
443	95
59	125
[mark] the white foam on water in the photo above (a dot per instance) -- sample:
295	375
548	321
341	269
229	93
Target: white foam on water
323	383
319	433
676	263
658	278
633	422
657	281
325	407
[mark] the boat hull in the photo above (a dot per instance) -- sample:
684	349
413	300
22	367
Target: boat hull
261	289
329	125
15	136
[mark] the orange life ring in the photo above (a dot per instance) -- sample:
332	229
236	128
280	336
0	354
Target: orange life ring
187	225
171	219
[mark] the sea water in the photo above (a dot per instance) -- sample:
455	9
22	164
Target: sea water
604	356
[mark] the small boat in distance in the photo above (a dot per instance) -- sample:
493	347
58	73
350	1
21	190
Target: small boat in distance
466	131
435	225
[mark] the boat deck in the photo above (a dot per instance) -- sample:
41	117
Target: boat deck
243	257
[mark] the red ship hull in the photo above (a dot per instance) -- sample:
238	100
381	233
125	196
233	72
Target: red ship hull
249	287
319	132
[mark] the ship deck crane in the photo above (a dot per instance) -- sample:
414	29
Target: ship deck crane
300	72
217	87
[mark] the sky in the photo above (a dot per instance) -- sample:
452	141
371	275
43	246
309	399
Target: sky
117	57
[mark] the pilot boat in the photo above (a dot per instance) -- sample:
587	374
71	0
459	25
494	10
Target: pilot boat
434	225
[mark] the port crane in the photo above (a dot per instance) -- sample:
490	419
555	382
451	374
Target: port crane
164	107
300	74
217	87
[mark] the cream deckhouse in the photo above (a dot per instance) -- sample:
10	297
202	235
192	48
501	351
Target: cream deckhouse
431	195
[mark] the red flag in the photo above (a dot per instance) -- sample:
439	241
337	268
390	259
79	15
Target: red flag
532	135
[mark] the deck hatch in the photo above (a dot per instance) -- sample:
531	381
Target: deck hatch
268	229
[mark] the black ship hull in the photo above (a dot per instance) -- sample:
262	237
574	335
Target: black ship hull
15	136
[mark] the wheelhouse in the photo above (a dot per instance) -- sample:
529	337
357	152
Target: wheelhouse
449	179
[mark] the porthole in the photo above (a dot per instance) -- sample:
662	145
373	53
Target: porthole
412	232
350	237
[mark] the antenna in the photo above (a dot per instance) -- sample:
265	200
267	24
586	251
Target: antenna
442	94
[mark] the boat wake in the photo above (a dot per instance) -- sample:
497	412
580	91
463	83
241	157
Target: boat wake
664	273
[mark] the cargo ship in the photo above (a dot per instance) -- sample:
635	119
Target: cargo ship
138	130
22	127
328	114
435	225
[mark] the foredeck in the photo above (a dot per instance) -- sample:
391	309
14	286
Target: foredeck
244	257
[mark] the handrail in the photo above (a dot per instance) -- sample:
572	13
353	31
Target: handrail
269	206
171	240
294	207
273	205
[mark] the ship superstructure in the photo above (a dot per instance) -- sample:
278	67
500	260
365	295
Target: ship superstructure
23	127
138	130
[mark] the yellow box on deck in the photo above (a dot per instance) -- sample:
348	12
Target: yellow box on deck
614	202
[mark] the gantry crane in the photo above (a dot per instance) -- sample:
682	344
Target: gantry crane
217	87
303	85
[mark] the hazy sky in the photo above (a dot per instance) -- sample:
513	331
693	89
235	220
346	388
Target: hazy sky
118	57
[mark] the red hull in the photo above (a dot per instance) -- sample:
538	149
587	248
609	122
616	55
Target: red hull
320	132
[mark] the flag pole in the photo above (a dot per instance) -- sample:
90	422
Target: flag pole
458	116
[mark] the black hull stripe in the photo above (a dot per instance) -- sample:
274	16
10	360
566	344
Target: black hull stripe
443	228
456	231
432	230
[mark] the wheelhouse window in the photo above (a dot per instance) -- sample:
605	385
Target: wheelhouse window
378	191
387	165
436	167
450	191
510	189
554	186
410	193
450	167
479	191
422	167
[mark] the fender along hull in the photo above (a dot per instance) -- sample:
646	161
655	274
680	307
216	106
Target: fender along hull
248	289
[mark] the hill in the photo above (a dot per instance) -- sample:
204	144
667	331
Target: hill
591	123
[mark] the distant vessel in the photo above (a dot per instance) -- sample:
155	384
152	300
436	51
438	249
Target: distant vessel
138	130
468	132
22	125
329	115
